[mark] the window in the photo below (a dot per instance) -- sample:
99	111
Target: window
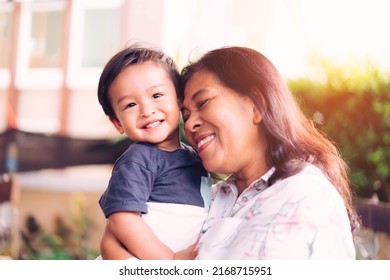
46	38
5	35
96	34
101	36
5	43
40	45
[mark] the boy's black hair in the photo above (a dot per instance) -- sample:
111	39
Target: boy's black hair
134	54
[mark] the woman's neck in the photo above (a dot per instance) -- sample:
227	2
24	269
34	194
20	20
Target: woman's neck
247	177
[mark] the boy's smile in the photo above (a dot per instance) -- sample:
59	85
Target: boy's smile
153	124
144	100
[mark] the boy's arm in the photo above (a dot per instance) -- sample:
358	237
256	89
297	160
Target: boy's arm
139	239
111	248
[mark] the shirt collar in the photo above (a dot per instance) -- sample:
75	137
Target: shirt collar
259	184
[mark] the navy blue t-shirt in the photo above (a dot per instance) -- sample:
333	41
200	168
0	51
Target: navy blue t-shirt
144	173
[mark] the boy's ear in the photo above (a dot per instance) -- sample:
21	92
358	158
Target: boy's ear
117	124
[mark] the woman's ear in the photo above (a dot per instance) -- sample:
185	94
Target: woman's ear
117	124
257	117
259	105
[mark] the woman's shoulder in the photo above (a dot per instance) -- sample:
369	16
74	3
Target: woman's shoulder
311	196
308	184
310	187
309	175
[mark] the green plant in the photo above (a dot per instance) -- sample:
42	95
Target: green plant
352	106
67	242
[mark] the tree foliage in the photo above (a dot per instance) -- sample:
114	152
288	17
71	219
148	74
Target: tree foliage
352	107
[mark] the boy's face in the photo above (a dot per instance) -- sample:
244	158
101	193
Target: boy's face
144	100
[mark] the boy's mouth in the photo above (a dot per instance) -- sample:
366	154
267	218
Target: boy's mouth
152	124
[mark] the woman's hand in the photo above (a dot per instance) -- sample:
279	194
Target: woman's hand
189	253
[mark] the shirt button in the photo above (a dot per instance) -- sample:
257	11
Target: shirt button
244	199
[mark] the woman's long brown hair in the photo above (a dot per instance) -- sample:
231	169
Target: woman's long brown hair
292	138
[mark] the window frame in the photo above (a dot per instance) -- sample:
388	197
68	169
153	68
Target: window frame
31	78
80	77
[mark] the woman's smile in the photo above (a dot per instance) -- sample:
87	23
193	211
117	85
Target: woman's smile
204	142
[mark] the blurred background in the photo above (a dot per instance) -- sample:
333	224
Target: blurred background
57	147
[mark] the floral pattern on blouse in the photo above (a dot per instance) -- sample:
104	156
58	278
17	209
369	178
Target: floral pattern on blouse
300	217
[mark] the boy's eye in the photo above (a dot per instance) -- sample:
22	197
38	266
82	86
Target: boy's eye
130	105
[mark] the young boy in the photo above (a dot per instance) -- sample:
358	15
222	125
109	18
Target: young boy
153	201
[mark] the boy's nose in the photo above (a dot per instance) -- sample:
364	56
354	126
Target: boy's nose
146	111
146	114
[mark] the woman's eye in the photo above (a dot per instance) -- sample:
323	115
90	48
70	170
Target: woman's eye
203	102
185	117
157	95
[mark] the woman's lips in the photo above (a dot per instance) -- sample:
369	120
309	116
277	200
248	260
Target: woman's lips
203	143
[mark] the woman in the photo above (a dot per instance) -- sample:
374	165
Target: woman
288	194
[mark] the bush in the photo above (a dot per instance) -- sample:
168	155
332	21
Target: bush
353	108
70	241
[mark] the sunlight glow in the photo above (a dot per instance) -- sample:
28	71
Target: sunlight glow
344	32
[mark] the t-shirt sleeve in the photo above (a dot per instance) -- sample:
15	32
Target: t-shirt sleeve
129	189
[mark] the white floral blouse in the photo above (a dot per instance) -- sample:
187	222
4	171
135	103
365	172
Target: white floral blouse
300	217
